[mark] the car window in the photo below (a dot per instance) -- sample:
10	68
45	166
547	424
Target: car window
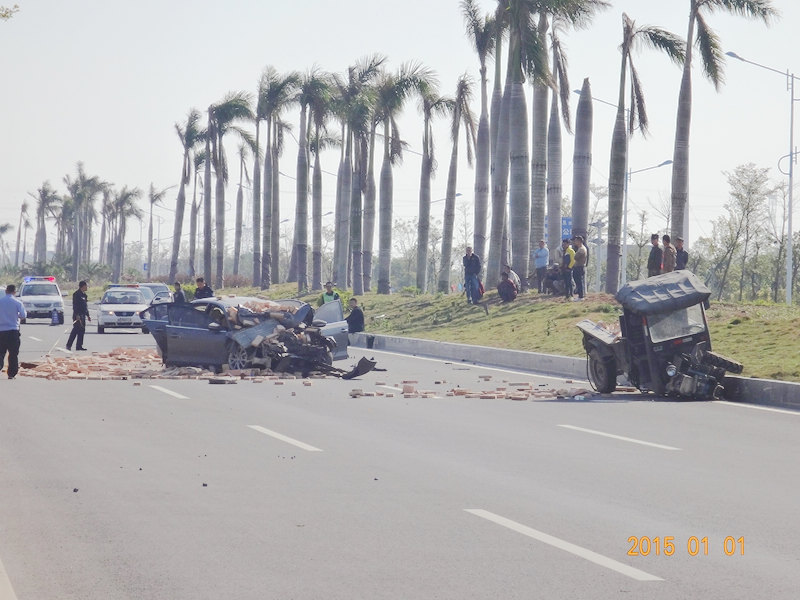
188	316
330	312
40	289
679	323
123	296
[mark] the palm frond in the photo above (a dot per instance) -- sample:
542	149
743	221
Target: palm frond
561	76
578	13
670	44
710	48
637	100
752	9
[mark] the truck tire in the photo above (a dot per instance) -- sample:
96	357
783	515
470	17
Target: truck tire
602	372
717	360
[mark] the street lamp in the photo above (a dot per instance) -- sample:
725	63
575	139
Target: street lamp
790	77
624	268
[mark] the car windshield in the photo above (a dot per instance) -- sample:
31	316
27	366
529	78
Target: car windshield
40	289
123	296
156	288
673	325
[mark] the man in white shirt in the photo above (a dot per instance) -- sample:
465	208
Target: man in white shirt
11	313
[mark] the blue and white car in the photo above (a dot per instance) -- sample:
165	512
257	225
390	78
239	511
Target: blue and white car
40	296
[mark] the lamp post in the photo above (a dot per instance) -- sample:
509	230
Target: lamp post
624	269
790	79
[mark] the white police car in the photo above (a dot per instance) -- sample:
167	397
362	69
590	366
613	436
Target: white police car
40	296
120	307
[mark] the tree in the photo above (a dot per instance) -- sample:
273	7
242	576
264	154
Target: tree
581	164
199	162
243	177
124	207
675	49
190	136
155	198
709	46
481	32
23	216
83	191
431	104
461	113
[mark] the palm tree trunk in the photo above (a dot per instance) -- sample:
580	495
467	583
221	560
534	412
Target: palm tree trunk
266	243
448	224
355	218
369	213
301	214
581	163
554	184
207	203
424	220
150	243
276	212
498	194
499	188
616	184
177	228
385	218
19	239
257	212
680	156
237	239
316	220
343	216
482	164
219	169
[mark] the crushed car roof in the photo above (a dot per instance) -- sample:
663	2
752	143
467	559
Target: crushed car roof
663	293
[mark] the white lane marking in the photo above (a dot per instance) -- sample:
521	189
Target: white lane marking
456	362
755	407
6	591
35	339
392	388
283	438
620	437
169	392
598	559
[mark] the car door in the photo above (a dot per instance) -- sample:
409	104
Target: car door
190	341
336	327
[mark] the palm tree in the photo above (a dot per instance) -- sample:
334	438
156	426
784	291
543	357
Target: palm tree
27	225
392	90
234	107
275	93
431	104
125	208
675	49
237	240
481	32
106	214
582	164
710	50
46	199
461	114
23	216
199	162
155	198
190	136
83	191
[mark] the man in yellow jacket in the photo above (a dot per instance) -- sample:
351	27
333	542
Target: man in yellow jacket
567	262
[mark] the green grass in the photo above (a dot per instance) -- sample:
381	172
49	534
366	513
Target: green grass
760	336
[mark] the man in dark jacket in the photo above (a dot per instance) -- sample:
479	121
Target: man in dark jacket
355	320
80	314
654	260
681	255
472	268
178	297
202	291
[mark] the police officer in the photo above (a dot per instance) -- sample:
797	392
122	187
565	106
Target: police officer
12	312
80	313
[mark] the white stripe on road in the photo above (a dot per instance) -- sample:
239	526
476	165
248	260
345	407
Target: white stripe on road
35	339
598	559
6	591
390	387
169	392
620	437
283	438
755	407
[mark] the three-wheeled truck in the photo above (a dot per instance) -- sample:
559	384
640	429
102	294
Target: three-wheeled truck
664	345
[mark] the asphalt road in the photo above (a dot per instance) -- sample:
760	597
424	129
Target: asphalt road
185	490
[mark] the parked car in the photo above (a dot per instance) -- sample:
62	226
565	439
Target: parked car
120	308
160	291
39	296
664	345
244	332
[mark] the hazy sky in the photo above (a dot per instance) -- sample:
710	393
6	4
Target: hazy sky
103	82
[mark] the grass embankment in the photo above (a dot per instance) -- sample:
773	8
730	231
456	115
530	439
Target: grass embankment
761	337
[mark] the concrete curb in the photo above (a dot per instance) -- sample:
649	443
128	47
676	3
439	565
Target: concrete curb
765	392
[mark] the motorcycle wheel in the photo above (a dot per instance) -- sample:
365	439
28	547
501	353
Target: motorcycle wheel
602	372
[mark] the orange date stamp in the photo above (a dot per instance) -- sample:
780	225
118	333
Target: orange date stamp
694	545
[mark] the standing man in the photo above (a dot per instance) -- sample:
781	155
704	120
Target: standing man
567	262
328	295
12	313
178	297
579	270
202	291
472	268
669	255
355	320
654	260
681	255
541	258
80	313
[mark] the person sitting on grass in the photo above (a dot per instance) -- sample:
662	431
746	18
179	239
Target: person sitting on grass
506	288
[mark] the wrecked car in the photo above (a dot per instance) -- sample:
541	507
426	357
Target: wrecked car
243	332
663	344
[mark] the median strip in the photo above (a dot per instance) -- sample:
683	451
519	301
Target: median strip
284	438
598	559
619	437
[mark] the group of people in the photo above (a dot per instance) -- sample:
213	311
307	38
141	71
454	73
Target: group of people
355	318
666	258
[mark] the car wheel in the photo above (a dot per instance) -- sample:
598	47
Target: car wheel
238	356
61	318
602	372
328	360
101	329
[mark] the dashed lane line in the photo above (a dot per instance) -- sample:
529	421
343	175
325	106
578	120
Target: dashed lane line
756	407
585	553
6	591
164	390
619	437
284	438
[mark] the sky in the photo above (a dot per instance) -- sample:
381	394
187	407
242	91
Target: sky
104	81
